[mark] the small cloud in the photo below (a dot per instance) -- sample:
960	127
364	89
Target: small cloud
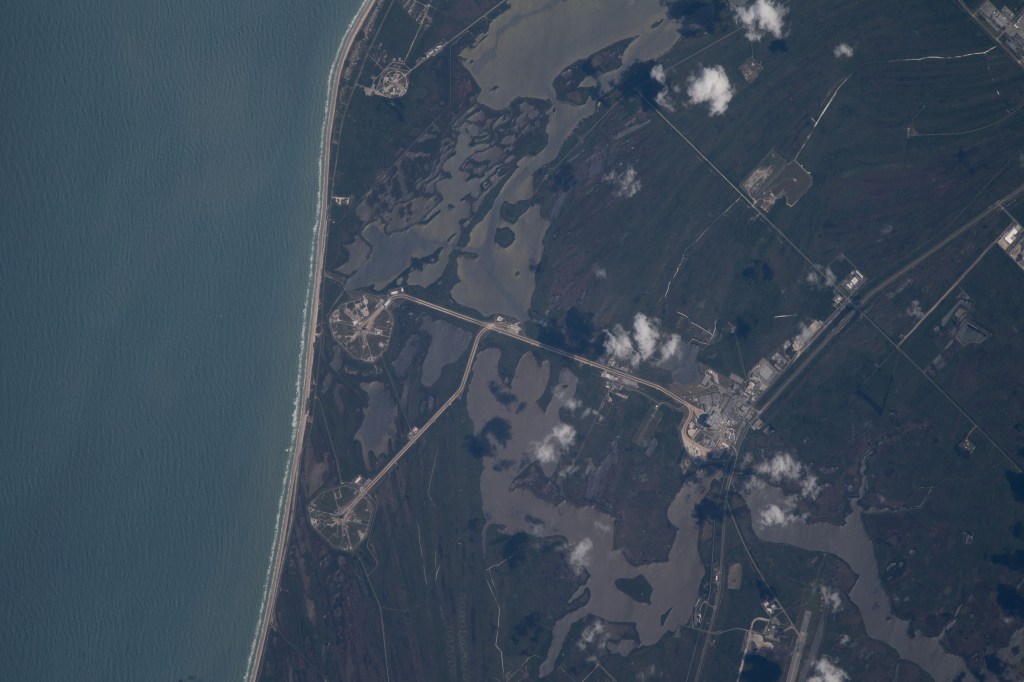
646	334
781	467
664	97
618	345
658	73
784	468
759	18
825	670
821	277
711	86
600	272
564	435
670	346
627	184
554	444
664	100
777	516
646	342
566	472
561	393
830	598
809	487
545	453
842	50
914	310
579	557
804	335
594	634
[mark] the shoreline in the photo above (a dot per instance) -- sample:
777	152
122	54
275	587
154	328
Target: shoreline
286	507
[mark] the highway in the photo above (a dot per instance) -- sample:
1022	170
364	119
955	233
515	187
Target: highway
418	432
981	24
942	298
512	332
859	304
998	205
504	329
286	511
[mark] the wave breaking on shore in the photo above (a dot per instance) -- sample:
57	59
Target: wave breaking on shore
312	281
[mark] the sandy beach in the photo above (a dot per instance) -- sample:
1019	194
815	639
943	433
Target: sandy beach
283	530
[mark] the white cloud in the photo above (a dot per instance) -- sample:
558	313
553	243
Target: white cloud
563	434
670	346
664	97
663	100
843	50
804	334
914	310
825	670
594	634
810	488
658	73
627	184
646	333
646	342
711	86
618	345
561	393
545	452
830	598
579	557
554	444
600	272
821	277
783	467
760	17
775	515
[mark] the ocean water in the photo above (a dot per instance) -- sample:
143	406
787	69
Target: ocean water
159	166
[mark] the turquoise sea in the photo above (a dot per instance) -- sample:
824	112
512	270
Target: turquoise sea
159	167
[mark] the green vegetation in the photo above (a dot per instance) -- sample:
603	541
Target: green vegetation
636	588
529	575
504	237
908	150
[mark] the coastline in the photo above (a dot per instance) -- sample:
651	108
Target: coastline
287	503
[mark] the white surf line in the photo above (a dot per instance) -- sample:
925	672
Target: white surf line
956	56
306	341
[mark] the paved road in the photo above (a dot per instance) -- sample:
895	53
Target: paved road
417	433
285	521
998	205
981	24
859	303
798	648
511	332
